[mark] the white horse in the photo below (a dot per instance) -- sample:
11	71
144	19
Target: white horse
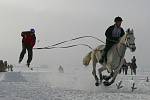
114	58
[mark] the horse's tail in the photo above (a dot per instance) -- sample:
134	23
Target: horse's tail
86	59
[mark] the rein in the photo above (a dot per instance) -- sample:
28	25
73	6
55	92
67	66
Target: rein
55	45
66	46
77	39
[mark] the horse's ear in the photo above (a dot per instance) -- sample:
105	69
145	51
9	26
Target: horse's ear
132	31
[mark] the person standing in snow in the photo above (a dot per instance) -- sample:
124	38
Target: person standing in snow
28	42
133	65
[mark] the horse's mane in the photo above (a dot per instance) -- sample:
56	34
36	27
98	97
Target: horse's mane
122	40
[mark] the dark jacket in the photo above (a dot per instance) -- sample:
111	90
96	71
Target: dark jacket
109	36
28	39
133	64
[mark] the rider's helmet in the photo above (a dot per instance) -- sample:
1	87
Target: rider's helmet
32	30
118	19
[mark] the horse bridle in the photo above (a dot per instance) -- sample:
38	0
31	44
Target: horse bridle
128	44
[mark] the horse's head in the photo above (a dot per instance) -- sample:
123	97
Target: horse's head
129	40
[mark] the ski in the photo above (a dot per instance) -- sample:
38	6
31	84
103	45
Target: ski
29	67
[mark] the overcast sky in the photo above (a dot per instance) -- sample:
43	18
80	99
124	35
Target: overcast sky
59	20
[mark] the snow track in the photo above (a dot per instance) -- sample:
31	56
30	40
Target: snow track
65	86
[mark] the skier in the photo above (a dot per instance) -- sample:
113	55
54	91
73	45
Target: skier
28	42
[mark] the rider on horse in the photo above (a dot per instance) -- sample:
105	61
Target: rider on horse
113	35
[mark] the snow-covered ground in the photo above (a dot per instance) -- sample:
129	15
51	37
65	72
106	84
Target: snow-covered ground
76	83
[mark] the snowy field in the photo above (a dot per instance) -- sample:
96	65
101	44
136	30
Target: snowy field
76	83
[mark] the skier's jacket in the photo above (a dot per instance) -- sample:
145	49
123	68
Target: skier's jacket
29	38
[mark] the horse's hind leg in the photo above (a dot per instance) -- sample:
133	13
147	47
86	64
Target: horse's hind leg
100	70
94	73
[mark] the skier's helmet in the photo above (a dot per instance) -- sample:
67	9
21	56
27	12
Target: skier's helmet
32	30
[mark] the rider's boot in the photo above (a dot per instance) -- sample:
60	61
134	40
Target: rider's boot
102	59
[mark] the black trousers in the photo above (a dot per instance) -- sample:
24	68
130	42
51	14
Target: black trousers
30	53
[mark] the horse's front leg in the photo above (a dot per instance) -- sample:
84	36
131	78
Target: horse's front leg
114	75
100	70
107	78
94	74
107	83
109	70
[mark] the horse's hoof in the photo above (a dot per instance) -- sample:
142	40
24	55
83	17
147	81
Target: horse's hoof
106	83
106	78
96	84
